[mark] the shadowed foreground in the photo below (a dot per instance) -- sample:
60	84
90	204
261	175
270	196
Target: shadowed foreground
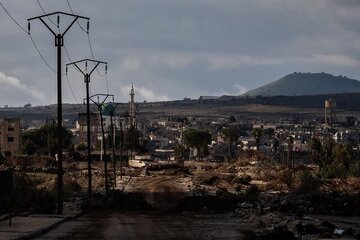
148	225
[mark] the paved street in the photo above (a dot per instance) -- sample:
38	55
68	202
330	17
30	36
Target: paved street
23	226
112	225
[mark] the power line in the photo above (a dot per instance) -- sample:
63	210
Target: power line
97	70
68	56
46	13
67	77
66	51
73	13
42	57
91	48
72	92
31	38
7	12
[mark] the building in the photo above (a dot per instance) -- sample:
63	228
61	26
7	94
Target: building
82	126
330	106
10	135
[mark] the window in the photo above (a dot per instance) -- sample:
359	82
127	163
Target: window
10	139
11	126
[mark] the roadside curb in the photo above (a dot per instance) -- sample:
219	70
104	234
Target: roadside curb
41	231
46	229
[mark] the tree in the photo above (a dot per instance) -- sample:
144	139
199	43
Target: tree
199	139
81	147
44	140
28	105
269	132
316	151
334	159
276	145
257	134
232	119
231	136
180	154
341	153
132	139
328	145
290	145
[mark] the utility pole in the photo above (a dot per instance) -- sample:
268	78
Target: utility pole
87	75
121	149
59	43
111	110
100	104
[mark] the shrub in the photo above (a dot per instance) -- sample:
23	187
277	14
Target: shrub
244	180
27	197
308	183
81	147
287	177
335	170
354	169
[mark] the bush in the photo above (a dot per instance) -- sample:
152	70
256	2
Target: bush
27	197
354	169
244	180
287	177
335	170
308	183
81	147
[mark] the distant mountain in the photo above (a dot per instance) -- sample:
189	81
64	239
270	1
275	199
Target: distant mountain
304	84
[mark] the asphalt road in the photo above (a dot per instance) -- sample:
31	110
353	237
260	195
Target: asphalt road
149	225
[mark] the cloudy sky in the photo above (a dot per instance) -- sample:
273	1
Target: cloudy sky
171	49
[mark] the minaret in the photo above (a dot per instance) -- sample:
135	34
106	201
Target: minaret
132	110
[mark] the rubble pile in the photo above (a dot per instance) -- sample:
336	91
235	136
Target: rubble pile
275	225
32	164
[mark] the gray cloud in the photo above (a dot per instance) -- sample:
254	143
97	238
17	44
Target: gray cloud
183	48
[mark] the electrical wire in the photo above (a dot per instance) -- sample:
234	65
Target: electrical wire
42	57
73	13
31	38
7	12
36	47
91	48
97	70
72	92
67	54
46	13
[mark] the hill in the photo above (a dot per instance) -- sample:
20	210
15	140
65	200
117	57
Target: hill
306	84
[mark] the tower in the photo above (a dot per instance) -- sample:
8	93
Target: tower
132	108
329	112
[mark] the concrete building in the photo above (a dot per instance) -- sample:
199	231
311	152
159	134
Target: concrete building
10	135
82	126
